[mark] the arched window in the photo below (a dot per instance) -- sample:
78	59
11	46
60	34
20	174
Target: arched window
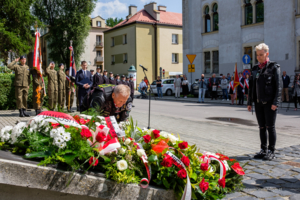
207	19
248	12
215	17
259	11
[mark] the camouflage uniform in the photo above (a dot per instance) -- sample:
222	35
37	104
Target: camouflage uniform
70	87
61	79
52	87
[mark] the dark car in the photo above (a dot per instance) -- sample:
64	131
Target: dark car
195	88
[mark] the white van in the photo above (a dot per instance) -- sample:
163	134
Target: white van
167	86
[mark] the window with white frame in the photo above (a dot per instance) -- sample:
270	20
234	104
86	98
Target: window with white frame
174	57
174	39
207	62
112	42
125	58
125	39
99	39
99	23
112	59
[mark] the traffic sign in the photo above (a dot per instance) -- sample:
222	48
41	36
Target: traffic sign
245	72
246	59
191	57
192	68
163	71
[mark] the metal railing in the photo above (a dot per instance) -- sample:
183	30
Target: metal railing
99	44
99	58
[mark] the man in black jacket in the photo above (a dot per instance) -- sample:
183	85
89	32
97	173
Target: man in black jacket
131	82
240	89
285	89
97	78
214	87
105	78
264	91
112	80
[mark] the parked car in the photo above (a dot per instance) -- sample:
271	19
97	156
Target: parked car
195	89
167	86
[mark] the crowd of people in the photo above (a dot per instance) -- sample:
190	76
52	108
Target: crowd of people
61	89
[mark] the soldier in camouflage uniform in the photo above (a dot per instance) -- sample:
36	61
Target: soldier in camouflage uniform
38	88
22	83
52	85
61	79
70	90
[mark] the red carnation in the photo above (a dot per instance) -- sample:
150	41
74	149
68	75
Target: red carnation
156	133
101	126
92	159
82	121
222	182
77	118
203	185
238	169
87	121
185	160
101	137
204	166
67	126
183	145
181	174
147	138
222	157
167	162
85	133
232	160
54	125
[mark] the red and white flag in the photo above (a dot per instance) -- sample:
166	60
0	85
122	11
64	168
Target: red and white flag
72	70
36	54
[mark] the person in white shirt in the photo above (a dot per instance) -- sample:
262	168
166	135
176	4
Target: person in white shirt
177	86
143	87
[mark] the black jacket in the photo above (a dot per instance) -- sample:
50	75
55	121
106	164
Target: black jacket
264	84
105	80
240	88
101	99
112	81
97	80
131	87
286	81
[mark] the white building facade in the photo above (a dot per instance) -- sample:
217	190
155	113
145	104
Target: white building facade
221	32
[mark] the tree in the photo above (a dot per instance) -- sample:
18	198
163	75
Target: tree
111	22
67	20
16	23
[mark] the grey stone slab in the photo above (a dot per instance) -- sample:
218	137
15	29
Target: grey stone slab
258	176
289	179
282	166
284	192
263	194
298	160
279	156
297	176
269	186
275	174
253	163
249	182
261	171
245	198
295	197
276	181
249	167
296	170
275	198
295	186
271	163
266	167
234	195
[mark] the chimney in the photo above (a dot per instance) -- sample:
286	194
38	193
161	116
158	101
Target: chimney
151	9
132	11
162	8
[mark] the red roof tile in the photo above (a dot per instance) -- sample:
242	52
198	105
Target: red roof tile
167	18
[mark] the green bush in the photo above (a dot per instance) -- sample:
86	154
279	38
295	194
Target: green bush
7	92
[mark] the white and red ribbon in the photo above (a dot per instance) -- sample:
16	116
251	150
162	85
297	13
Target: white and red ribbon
187	194
144	158
246	83
207	158
110	146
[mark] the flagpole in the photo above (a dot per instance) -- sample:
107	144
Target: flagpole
70	78
235	88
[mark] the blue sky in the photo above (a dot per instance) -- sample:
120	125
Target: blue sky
119	8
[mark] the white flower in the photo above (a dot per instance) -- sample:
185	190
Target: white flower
122	151
58	140
101	118
85	116
67	137
54	133
4	133
62	145
127	141
226	165
33	127
164	134
122	165
31	130
47	129
172	138
97	124
140	152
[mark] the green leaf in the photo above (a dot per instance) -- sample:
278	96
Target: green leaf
166	183
69	158
152	158
194	176
41	154
106	159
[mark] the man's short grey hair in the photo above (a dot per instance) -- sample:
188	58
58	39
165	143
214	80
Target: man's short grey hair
262	46
123	90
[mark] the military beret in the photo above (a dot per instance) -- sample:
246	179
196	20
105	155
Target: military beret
91	70
127	77
122	76
110	73
67	69
22	57
98	67
61	64
105	70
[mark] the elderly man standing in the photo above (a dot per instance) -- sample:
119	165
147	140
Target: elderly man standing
22	83
111	101
177	86
61	79
285	89
52	85
84	81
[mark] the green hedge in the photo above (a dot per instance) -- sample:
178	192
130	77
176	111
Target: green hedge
7	92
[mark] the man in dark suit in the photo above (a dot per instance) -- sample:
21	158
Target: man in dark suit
123	81
240	89
84	82
285	87
118	81
105	78
131	82
214	86
98	79
112	80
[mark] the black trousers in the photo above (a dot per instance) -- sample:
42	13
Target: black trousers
241	96
266	118
132	97
296	99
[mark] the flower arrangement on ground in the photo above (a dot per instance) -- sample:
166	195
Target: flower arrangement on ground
140	156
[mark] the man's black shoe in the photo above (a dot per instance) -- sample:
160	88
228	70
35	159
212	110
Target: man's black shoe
260	154
24	113
269	156
133	106
21	113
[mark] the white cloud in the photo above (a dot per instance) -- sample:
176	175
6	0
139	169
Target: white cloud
110	9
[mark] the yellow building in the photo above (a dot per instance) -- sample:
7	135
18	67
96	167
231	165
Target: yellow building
151	37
